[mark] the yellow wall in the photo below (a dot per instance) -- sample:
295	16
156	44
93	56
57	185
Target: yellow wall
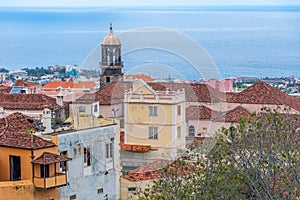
23	189
139	134
139	113
20	190
125	184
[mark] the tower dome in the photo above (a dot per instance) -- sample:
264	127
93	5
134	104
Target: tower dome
111	38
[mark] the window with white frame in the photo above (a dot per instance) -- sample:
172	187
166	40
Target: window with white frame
179	131
153	133
152	110
87	158
109	150
179	110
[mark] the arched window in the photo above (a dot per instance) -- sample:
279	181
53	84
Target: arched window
191	131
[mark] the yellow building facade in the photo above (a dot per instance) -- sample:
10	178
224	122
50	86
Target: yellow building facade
155	118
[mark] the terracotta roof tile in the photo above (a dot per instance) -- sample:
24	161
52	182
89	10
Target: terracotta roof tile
57	84
155	170
262	93
27	101
49	158
114	92
200	112
22	83
133	147
85	84
13	133
234	115
143	77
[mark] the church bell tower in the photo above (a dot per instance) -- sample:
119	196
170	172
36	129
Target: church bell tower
111	64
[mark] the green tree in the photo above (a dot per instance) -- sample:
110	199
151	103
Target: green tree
257	159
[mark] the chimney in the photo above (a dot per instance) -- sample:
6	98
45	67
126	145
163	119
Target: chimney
46	120
60	100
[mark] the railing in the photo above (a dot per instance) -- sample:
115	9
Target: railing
56	181
167	97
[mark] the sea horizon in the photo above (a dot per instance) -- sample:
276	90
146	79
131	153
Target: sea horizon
261	41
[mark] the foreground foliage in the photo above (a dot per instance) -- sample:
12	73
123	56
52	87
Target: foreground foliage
257	159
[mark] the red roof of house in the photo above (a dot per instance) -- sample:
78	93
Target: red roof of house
58	84
27	101
133	147
200	112
13	133
85	84
156	170
138	77
114	92
49	158
234	115
262	93
22	83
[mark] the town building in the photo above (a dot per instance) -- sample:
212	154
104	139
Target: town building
33	105
94	171
29	164
153	118
24	87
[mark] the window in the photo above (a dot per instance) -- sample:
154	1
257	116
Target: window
153	133
109	150
100	191
63	165
132	189
44	171
15	168
152	110
87	159
81	109
73	197
179	131
178	110
191	131
95	108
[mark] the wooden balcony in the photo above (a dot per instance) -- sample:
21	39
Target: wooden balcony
58	180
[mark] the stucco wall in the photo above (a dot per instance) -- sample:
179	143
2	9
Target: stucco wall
85	181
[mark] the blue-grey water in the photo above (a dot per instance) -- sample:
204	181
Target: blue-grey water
242	42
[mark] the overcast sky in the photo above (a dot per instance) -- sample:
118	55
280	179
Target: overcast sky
143	2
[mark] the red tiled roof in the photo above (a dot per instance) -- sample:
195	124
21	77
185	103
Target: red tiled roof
200	112
57	84
49	158
85	84
133	147
27	101
13	133
235	115
155	170
22	83
114	92
4	89
138	76
262	93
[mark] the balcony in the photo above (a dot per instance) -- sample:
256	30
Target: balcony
58	180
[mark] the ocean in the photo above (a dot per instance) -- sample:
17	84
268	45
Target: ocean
241	41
